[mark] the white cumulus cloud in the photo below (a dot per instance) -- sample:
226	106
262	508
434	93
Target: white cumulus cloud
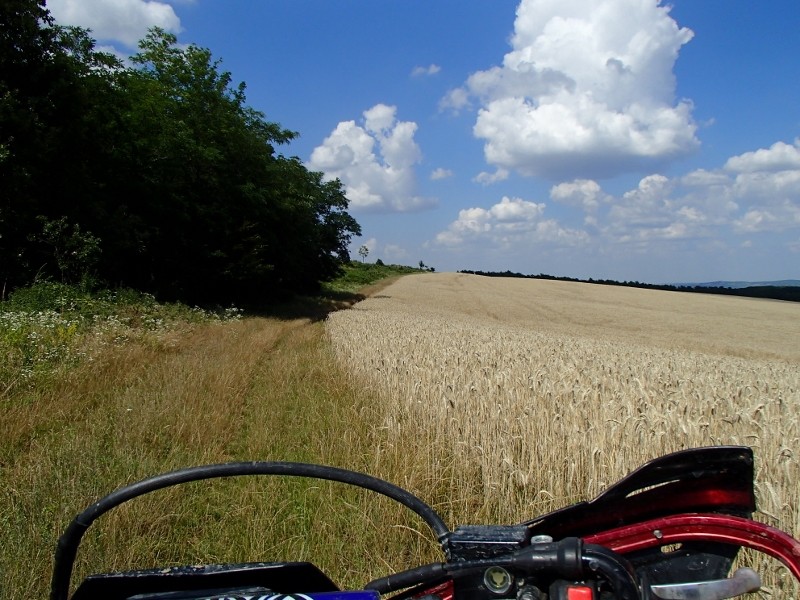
586	91
778	157
374	161
755	192
752	199
486	178
509	223
767	182
773	218
125	21
584	193
646	212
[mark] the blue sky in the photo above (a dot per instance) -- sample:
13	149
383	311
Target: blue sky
623	139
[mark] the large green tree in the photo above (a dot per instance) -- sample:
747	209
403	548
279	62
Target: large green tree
160	169
218	212
52	84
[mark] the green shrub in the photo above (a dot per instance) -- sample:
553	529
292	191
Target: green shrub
46	296
358	274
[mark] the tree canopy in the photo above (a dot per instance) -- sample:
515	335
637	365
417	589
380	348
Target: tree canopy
155	175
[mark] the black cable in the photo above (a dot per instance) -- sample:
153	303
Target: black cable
429	572
406	579
67	547
614	568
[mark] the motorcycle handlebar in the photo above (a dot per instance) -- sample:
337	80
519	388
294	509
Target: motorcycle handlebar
569	558
67	547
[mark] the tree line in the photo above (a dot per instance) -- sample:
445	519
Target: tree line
153	174
774	292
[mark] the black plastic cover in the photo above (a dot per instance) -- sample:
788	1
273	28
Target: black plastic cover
472	542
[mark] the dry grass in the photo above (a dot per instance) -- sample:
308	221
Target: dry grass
515	397
257	389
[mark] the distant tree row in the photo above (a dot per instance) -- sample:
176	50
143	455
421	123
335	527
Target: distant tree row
154	175
789	293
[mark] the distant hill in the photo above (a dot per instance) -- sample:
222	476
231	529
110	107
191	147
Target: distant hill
737	285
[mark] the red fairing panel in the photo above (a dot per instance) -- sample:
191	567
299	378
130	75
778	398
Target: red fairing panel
725	529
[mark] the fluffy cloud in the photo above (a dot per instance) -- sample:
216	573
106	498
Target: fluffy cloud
583	193
381	180
754	193
485	178
647	212
767	181
777	217
125	21
587	91
778	157
510	222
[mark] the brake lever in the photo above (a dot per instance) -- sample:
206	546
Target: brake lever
744	580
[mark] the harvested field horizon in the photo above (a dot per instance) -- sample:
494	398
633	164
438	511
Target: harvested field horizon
740	326
519	396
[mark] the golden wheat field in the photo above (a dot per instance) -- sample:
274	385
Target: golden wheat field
521	396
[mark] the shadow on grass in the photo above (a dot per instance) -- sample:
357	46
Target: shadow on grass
315	308
319	306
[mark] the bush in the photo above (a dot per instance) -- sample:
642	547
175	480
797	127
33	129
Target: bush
45	296
358	274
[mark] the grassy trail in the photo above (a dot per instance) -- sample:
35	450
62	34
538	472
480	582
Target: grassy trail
256	389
